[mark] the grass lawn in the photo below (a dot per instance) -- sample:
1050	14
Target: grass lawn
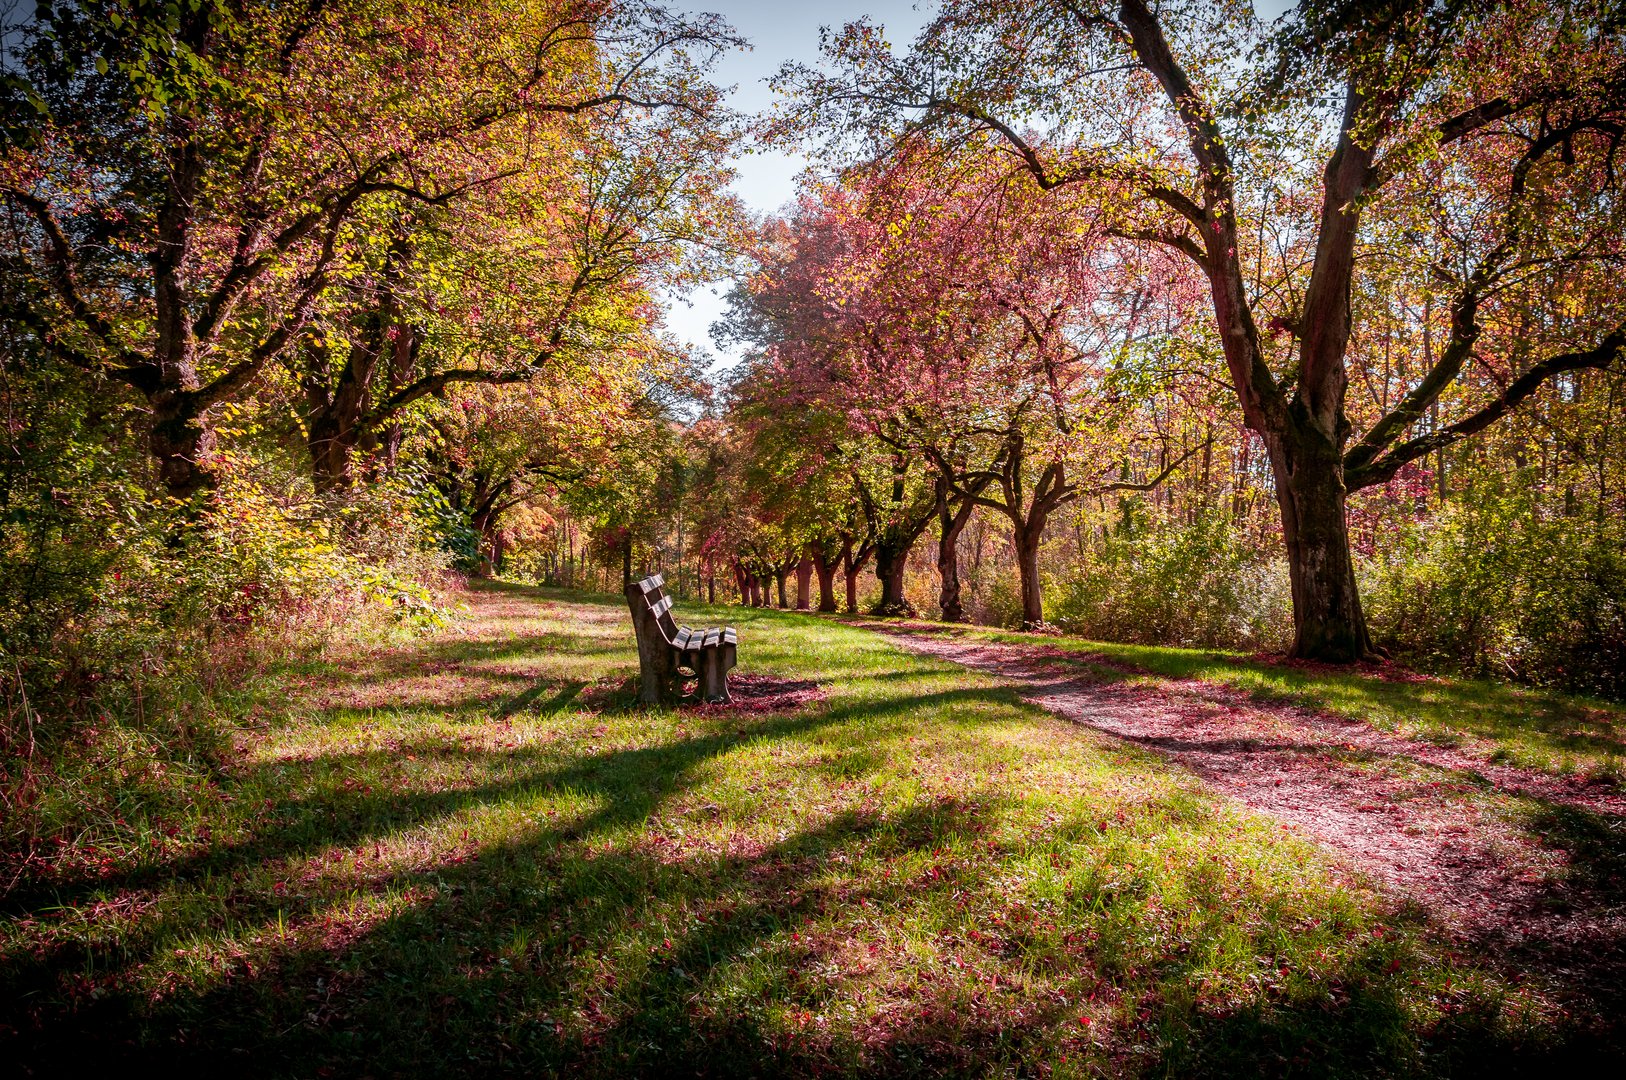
471	855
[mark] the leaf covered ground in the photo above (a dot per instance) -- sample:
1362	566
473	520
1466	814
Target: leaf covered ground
471	855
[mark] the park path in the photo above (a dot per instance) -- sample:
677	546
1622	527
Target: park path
1517	862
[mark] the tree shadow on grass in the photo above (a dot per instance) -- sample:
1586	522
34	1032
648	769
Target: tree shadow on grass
586	946
442	989
526	700
1550	722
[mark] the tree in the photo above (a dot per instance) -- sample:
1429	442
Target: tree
199	172
1372	107
962	320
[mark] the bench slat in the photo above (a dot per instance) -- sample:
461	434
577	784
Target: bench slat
684	640
661	606
651	583
730	635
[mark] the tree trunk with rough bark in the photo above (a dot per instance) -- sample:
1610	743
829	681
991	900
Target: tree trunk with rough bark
890	563
180	443
1328	623
952	518
826	570
804	580
1026	540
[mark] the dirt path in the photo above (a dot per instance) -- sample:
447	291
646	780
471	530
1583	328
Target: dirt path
1524	864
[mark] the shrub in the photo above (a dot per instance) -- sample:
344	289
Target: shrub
121	680
1499	584
1171	583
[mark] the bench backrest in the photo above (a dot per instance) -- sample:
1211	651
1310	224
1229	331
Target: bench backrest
660	605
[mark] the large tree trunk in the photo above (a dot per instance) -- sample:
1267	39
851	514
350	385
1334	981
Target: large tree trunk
779	582
804	579
827	586
756	589
332	435
826	570
485	514
1026	540
890	563
1328	624
951	523
179	442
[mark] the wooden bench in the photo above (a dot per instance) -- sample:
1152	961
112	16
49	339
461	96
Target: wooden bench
666	650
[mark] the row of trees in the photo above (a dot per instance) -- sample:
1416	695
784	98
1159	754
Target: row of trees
1089	261
304	283
1094	282
1067	215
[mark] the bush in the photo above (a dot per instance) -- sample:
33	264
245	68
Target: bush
1498	584
1169	583
135	634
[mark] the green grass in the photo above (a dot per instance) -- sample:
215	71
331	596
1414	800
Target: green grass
472	855
1505	724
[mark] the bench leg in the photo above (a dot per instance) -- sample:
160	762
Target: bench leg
714	678
708	675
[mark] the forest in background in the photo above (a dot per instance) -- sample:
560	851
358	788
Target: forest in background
1292	338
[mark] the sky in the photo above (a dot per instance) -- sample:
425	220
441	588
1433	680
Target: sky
781	31
778	32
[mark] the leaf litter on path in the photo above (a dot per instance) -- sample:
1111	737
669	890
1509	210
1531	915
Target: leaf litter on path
1523	866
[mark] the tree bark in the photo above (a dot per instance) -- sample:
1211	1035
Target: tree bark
890	563
826	570
779	582
804	579
852	565
951	523
1026	540
1328	623
180	443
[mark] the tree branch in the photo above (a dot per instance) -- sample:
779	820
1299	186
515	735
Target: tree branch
1150	484
1381	470
61	262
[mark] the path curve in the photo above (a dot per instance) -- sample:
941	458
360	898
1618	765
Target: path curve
1453	836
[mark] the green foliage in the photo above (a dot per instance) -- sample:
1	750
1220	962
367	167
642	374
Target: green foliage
1170	583
72	509
994	595
1501	584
